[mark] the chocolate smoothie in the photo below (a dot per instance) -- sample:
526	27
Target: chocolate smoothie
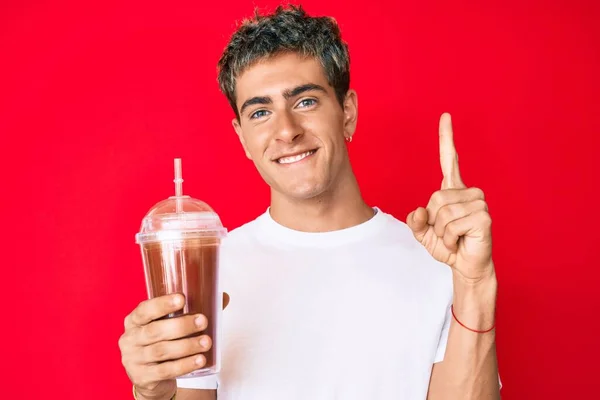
188	267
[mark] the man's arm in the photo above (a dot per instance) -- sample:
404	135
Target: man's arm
455	228
469	369
195	394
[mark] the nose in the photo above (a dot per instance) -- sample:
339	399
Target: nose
287	127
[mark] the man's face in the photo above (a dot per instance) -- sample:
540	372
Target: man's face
292	126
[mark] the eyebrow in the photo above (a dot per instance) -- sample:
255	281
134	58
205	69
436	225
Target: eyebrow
287	94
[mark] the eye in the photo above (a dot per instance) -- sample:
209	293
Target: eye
307	103
259	114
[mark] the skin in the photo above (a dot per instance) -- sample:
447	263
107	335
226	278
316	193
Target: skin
320	193
286	108
455	227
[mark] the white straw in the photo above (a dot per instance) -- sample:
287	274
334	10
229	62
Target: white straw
178	184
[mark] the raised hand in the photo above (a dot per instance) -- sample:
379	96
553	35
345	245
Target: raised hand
455	227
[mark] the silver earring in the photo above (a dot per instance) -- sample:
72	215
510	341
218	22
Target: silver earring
349	139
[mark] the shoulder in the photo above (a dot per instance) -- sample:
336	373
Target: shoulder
397	227
401	244
243	235
397	233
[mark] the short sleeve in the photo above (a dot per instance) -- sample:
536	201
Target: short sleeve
202	382
443	342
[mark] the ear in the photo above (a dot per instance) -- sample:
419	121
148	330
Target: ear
238	129
350	113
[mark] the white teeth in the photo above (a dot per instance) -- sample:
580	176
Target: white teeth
296	158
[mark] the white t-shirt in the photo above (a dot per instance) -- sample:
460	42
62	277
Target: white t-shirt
359	313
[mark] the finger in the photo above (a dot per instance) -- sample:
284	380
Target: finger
152	309
226	299
450	196
452	212
175	349
417	222
476	223
170	329
173	369
448	155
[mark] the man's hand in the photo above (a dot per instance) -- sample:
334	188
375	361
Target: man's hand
455	227
154	352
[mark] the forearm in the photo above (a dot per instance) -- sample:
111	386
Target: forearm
196	394
184	394
469	369
166	392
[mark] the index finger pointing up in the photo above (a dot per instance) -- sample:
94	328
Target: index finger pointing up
448	155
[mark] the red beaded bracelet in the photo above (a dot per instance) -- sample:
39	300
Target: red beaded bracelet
466	327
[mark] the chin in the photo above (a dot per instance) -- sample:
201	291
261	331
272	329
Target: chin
302	190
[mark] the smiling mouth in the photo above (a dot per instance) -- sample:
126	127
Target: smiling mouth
295	158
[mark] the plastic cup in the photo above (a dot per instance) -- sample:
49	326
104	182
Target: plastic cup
179	240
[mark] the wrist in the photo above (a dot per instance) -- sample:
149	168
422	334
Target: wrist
166	393
474	302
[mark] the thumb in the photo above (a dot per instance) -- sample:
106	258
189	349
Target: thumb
417	222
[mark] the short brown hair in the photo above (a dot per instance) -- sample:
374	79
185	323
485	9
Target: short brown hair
288	29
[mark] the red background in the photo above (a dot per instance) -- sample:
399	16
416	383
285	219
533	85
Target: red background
97	100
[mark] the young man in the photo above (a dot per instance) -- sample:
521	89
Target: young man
330	298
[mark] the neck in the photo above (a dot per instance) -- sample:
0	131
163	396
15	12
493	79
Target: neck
338	208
